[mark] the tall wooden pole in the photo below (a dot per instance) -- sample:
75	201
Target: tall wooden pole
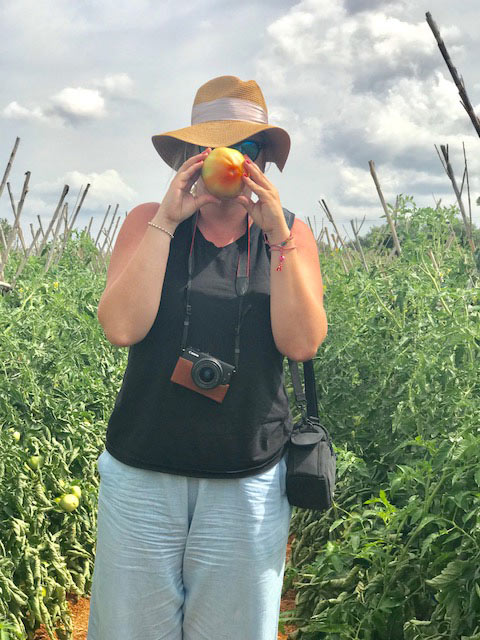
465	100
385	208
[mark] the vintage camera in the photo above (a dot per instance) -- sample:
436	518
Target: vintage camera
203	373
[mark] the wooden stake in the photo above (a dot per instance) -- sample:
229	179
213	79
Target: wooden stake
16	224
69	225
53	246
327	211
449	171
328	239
34	235
25	258
4	242
54	217
373	173
113	236
109	229
9	166
14	208
468	185
464	99
102	225
89	226
358	243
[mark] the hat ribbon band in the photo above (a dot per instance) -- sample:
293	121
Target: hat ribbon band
228	109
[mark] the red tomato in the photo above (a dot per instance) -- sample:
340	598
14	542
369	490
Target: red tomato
222	172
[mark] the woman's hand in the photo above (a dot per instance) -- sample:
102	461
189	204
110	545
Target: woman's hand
178	203
267	212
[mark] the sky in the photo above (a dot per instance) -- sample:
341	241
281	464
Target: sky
86	84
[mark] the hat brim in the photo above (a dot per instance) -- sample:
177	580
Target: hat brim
223	133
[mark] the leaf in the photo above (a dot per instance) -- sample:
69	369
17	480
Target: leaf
477	476
355	542
427	520
337	563
336	524
428	541
451	573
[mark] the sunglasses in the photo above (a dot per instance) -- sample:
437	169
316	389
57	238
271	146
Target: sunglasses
251	148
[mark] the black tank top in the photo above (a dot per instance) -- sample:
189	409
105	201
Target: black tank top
159	425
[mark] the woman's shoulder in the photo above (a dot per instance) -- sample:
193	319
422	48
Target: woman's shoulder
143	213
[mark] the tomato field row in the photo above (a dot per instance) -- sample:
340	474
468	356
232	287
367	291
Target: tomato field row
59	378
398	555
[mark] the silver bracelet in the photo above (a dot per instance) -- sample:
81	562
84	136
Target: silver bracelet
152	224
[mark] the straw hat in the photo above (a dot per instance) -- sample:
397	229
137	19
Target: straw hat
225	111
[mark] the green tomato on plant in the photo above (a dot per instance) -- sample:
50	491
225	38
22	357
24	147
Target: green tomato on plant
34	462
75	489
68	502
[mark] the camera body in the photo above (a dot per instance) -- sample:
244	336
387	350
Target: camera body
203	373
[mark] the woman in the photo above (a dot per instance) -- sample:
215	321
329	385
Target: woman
193	516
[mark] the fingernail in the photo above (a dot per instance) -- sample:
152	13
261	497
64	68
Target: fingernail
246	175
247	159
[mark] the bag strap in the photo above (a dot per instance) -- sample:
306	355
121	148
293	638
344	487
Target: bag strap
300	397
310	388
306	401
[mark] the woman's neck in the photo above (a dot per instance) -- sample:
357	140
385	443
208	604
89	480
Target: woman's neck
222	225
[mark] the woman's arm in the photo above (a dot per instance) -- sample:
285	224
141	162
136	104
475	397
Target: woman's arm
299	322
129	304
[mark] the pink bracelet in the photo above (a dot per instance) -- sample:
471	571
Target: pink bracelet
282	256
279	244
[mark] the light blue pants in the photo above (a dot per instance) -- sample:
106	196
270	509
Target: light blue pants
182	558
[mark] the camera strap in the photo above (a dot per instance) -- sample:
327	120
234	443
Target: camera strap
242	281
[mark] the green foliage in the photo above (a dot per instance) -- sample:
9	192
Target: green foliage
419	227
6	227
57	388
398	556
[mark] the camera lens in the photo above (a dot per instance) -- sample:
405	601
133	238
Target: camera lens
206	373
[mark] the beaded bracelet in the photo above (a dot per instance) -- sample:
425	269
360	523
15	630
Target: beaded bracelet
279	244
282	256
152	224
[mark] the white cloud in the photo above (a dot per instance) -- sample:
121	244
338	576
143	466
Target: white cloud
368	44
18	112
73	104
364	85
360	189
79	103
106	187
350	80
117	84
69	104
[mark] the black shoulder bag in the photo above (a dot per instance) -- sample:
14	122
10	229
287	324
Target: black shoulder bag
311	460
